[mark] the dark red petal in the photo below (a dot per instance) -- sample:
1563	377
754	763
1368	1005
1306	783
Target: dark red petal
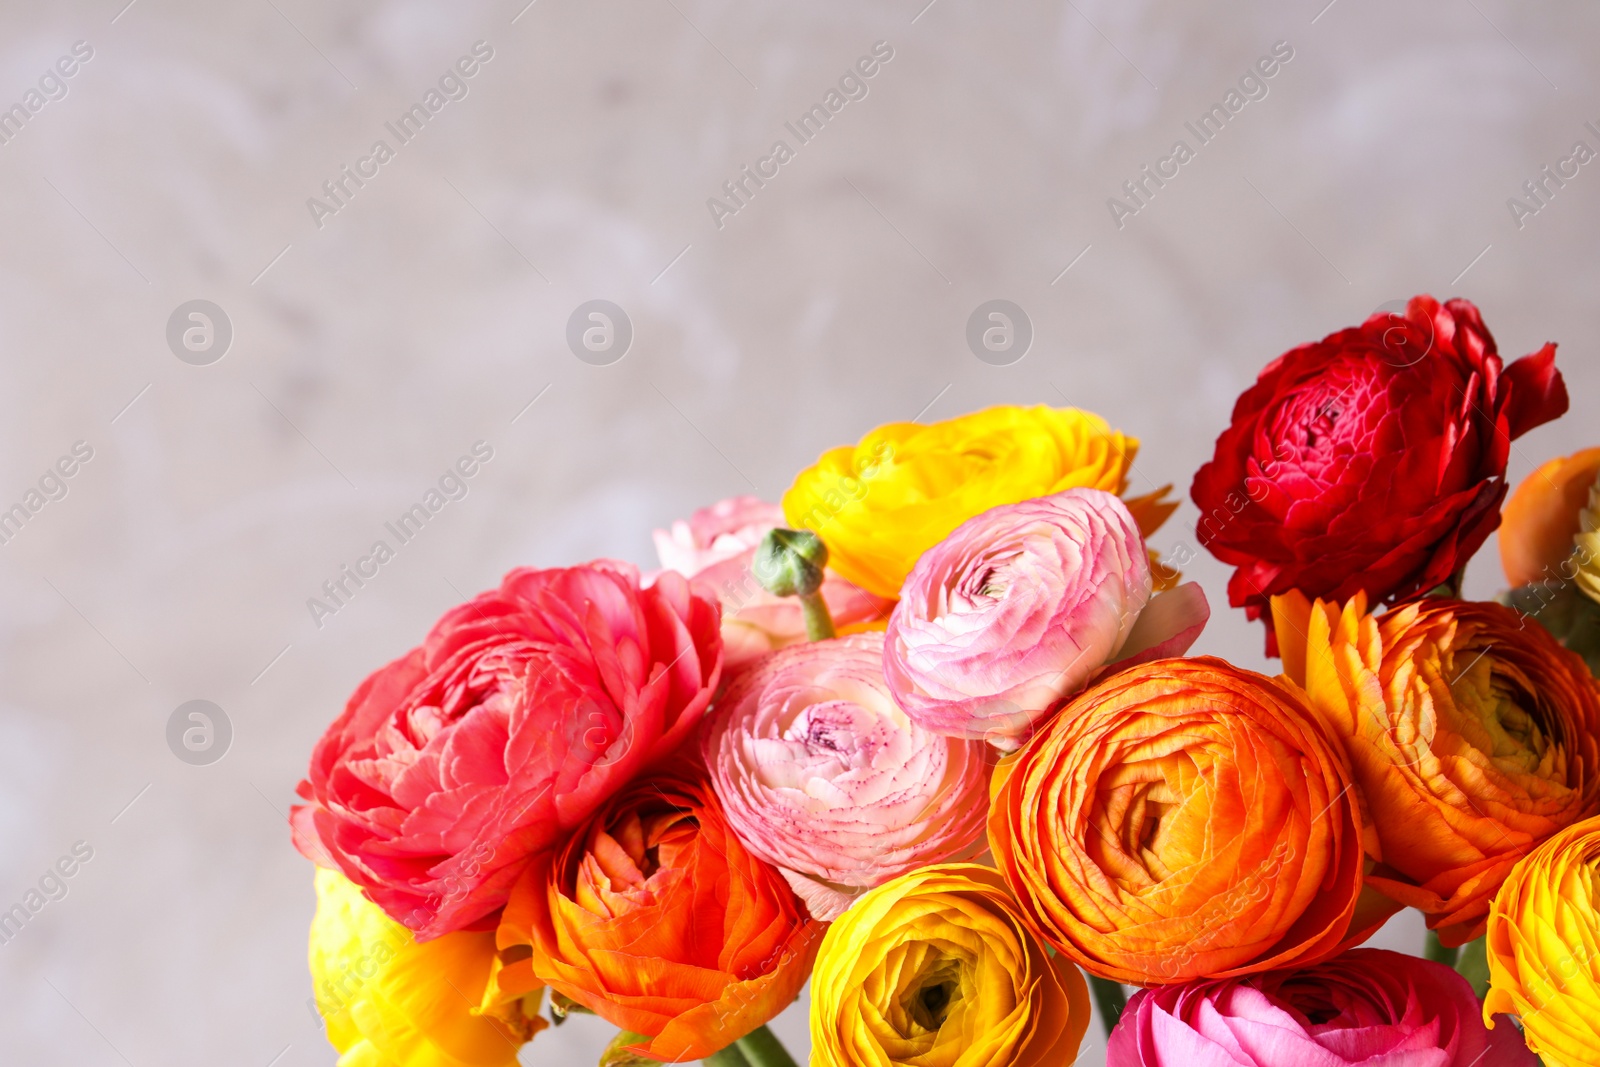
1537	392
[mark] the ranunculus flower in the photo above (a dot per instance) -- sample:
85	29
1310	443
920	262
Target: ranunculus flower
1472	733
1021	607
1367	1007
824	776
655	917
1544	516
938	969
390	1001
1544	948
1183	819
1373	460
717	546
880	504
523	710
1587	553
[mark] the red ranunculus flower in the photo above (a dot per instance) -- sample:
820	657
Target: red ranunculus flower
520	714
1372	460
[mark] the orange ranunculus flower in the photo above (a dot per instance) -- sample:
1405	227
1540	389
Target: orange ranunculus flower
881	503
1542	517
1473	735
657	919
1543	948
1184	819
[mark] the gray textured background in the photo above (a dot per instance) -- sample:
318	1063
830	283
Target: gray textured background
427	313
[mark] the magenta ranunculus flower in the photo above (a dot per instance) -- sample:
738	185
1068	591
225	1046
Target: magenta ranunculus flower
716	545
522	711
1021	607
1368	1006
823	776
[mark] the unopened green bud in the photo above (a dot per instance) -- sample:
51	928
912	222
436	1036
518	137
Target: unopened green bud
790	562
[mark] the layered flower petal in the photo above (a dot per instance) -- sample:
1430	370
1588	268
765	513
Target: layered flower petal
1373	460
1544	515
717	547
390	1001
938	969
823	775
1543	947
1020	607
880	504
656	918
522	711
1366	1007
1587	552
1473	735
1183	819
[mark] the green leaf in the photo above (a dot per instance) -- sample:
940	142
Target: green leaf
1110	998
1473	965
618	1055
761	1048
563	1006
1434	950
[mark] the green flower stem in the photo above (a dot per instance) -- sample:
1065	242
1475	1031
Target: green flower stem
1110	998
1438	953
761	1047
1473	965
728	1057
819	624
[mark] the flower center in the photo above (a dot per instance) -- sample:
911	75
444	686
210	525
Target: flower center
1516	737
935	991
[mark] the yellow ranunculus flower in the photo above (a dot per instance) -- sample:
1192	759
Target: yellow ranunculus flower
937	969
1588	546
1544	948
391	1002
880	504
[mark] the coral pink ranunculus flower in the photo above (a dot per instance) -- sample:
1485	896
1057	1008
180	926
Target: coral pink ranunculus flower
524	709
1020	608
823	776
1368	1006
716	546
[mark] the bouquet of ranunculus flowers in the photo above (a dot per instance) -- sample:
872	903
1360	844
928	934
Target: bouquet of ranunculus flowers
924	734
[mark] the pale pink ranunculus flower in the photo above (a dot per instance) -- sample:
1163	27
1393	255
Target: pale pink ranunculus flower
716	545
825	777
1367	1007
1023	606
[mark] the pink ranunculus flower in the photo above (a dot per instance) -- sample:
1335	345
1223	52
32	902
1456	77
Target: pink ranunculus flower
823	776
521	712
1368	1006
1023	606
716	545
